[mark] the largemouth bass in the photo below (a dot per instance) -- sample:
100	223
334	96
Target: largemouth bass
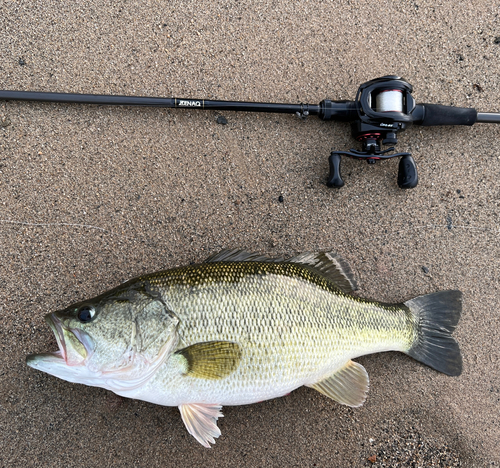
242	328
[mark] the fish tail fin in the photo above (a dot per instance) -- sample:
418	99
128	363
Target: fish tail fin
437	316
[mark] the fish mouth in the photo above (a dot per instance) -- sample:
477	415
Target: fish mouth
75	346
56	326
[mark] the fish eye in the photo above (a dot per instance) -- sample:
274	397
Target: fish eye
86	314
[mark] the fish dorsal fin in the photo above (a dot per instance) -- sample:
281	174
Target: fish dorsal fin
201	421
332	266
211	360
348	385
236	255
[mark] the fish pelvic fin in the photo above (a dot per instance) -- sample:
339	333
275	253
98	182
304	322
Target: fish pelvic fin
348	385
437	316
201	421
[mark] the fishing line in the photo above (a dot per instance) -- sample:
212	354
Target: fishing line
392	232
390	100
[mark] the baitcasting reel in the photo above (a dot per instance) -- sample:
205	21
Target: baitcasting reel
382	107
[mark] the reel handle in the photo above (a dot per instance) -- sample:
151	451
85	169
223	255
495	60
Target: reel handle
407	173
334	179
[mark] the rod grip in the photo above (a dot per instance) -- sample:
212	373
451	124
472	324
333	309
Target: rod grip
436	114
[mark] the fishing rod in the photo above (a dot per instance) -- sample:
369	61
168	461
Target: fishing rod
382	108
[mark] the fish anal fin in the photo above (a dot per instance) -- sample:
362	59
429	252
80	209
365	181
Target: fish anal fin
332	266
348	385
211	360
201	421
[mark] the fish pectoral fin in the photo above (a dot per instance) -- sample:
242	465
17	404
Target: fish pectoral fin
209	360
201	421
348	385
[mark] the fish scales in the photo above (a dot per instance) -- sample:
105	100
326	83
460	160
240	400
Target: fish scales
295	326
242	328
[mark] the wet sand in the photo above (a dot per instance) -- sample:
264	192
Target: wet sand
91	196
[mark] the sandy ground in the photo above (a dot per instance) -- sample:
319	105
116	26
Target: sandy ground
92	196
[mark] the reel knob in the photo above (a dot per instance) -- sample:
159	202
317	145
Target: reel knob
334	179
407	174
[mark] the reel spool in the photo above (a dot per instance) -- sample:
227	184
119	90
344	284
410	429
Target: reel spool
389	100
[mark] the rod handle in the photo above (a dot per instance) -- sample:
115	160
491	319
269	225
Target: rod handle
436	114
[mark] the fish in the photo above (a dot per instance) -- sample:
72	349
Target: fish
241	328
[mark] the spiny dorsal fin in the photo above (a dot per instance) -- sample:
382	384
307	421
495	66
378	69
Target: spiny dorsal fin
330	265
201	421
347	386
209	360
236	255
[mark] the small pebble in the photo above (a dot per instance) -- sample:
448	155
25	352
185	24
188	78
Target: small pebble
221	120
280	198
5	122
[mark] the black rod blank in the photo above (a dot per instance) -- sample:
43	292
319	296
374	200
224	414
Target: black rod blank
157	102
86	98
